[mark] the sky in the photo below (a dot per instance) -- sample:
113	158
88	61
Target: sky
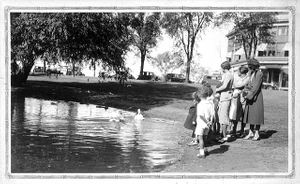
212	48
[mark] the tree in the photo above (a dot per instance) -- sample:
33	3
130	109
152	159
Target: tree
146	30
167	62
198	72
251	28
29	40
72	37
68	39
106	38
185	27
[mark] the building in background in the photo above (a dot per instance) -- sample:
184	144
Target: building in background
273	58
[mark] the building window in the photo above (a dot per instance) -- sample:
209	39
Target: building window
286	53
282	31
273	31
271	53
262	53
279	50
271	50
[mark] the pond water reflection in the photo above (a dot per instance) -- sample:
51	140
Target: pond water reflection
68	137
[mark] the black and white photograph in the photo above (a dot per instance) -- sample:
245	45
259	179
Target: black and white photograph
160	91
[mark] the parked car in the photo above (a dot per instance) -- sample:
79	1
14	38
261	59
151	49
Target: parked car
173	77
212	79
269	86
148	76
130	76
38	71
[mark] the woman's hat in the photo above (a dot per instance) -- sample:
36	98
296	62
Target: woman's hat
226	65
253	62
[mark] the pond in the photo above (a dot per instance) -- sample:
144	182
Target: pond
69	137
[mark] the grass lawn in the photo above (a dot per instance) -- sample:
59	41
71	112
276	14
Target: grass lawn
172	101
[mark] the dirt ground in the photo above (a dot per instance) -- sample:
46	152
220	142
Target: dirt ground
172	101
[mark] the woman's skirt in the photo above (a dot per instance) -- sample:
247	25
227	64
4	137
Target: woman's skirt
236	109
224	107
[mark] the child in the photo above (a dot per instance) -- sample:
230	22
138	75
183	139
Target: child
210	100
190	122
204	117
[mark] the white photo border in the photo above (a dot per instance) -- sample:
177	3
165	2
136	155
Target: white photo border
292	93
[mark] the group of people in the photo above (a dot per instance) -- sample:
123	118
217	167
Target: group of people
238	98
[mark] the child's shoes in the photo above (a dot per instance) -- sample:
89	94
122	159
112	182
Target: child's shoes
200	156
193	143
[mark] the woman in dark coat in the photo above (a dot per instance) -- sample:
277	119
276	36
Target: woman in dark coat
254	109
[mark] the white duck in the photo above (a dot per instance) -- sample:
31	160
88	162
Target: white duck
139	116
116	116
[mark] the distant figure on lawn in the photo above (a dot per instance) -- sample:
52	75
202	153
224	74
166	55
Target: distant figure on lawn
254	109
55	71
101	77
225	90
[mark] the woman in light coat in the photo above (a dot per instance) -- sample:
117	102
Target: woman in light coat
238	103
225	91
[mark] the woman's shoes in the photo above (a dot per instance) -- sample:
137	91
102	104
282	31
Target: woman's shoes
248	137
256	136
225	139
241	135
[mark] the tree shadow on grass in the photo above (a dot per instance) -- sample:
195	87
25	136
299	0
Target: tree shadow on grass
266	134
222	149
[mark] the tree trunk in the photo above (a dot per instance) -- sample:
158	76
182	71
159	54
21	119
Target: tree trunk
16	80
143	56
44	66
94	66
73	68
26	72
188	68
20	79
244	46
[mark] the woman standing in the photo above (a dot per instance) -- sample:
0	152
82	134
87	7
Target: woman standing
225	91
254	109
238	103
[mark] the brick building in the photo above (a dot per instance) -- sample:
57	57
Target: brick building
273	58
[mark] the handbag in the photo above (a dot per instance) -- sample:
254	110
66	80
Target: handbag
190	118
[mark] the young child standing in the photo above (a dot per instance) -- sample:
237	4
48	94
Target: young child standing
210	99
205	113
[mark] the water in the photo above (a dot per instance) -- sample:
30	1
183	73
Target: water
68	137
